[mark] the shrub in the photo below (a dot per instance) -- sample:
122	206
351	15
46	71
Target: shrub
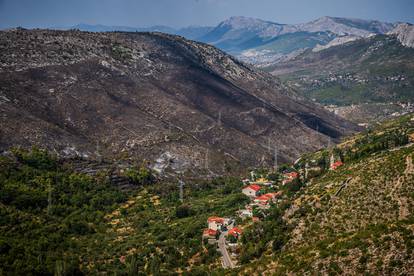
183	211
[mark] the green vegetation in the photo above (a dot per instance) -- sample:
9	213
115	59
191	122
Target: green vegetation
45	210
271	232
121	53
142	176
55	221
356	219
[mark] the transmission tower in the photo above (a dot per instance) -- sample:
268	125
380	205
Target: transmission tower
206	160
219	119
268	145
49	199
98	152
181	186
275	153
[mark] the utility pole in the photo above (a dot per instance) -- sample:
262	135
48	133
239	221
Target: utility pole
49	193
98	152
268	145
219	119
275	164
181	186
49	199
206	160
306	170
332	160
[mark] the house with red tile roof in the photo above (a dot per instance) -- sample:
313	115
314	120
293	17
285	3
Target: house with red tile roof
209	234
266	198
262	200
289	177
235	232
215	223
251	190
336	165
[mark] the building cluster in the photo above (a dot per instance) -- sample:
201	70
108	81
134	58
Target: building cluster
262	194
219	225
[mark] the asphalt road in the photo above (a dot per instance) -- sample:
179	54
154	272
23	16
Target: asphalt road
226	260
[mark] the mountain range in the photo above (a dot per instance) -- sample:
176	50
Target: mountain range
99	124
364	80
130	96
263	42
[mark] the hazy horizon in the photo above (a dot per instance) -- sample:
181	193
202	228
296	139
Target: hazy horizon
182	13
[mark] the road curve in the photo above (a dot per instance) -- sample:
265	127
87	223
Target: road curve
226	260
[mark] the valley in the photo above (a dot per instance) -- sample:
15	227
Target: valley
360	76
351	203
246	148
342	63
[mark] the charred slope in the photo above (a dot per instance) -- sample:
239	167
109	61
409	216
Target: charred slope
150	96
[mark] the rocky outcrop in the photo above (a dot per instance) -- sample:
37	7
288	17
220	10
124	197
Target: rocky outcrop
405	34
335	42
346	26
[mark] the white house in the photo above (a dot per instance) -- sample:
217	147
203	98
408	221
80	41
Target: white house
245	213
215	223
251	190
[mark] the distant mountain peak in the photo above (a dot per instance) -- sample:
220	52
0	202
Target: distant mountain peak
404	33
238	22
347	26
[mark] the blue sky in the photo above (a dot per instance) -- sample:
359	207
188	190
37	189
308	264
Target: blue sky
178	13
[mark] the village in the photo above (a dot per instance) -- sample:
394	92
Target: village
226	232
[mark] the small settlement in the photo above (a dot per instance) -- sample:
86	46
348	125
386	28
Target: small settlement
226	232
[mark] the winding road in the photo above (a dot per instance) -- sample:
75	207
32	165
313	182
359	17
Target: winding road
226	260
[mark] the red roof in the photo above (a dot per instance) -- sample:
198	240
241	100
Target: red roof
216	219
254	187
292	175
209	232
276	194
235	232
255	219
271	195
263	198
337	164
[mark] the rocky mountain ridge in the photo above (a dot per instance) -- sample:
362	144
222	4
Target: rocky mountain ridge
151	96
373	75
252	39
405	34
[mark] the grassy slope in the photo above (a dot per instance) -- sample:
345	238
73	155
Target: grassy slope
366	228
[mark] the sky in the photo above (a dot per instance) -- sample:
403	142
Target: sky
180	13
